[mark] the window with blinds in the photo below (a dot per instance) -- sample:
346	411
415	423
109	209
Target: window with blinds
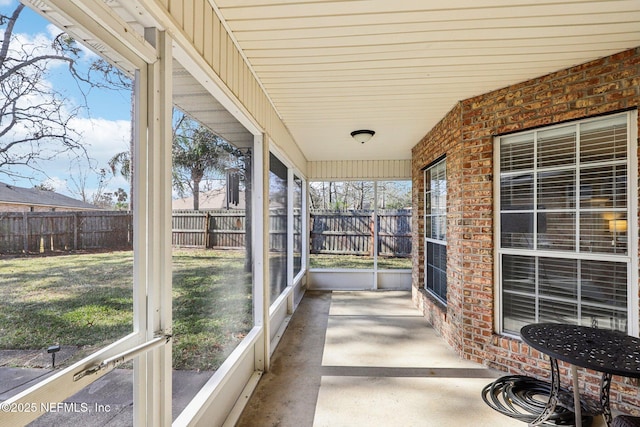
563	251
435	235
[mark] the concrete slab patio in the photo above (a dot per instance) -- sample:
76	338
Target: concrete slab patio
346	359
383	365
351	359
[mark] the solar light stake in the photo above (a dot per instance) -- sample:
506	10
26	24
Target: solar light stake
53	350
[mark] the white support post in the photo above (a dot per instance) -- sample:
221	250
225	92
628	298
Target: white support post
306	220
375	235
159	270
257	243
266	285
290	238
139	207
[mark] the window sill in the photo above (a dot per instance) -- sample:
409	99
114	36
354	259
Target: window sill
433	300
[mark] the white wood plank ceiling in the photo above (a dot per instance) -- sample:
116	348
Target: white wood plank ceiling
397	67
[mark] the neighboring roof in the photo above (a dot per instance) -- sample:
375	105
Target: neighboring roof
36	197
212	199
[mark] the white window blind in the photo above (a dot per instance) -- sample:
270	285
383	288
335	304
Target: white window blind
564	212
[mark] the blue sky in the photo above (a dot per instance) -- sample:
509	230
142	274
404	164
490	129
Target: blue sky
105	127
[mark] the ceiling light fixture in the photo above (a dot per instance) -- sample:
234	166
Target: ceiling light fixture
362	135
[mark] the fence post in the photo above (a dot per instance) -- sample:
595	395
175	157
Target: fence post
207	235
75	231
372	231
51	234
25	221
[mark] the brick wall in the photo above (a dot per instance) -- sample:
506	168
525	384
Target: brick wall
465	135
17	207
446	139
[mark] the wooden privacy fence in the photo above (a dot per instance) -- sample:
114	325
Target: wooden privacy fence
352	232
331	232
226	229
223	229
394	233
47	232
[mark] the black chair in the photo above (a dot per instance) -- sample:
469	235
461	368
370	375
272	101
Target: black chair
626	421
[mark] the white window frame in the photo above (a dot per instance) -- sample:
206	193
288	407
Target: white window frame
427	219
296	276
151	290
630	258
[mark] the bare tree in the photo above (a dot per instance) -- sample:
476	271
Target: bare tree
341	195
78	184
394	194
35	117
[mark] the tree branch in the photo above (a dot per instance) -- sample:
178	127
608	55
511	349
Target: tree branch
29	62
8	33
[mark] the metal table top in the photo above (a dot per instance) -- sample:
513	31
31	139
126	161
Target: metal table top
602	350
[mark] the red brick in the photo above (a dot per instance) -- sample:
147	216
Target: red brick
465	136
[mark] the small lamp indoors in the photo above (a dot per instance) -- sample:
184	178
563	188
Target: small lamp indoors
362	135
618	226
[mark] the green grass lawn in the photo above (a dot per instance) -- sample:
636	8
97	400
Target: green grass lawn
82	300
353	261
86	300
212	307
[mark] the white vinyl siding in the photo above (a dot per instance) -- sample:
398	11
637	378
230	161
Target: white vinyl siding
326	170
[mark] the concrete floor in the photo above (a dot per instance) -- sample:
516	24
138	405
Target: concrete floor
113	393
346	359
368	359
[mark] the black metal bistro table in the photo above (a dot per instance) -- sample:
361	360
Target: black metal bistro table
602	350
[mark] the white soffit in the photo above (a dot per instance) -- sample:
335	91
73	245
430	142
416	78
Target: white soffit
192	98
397	67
